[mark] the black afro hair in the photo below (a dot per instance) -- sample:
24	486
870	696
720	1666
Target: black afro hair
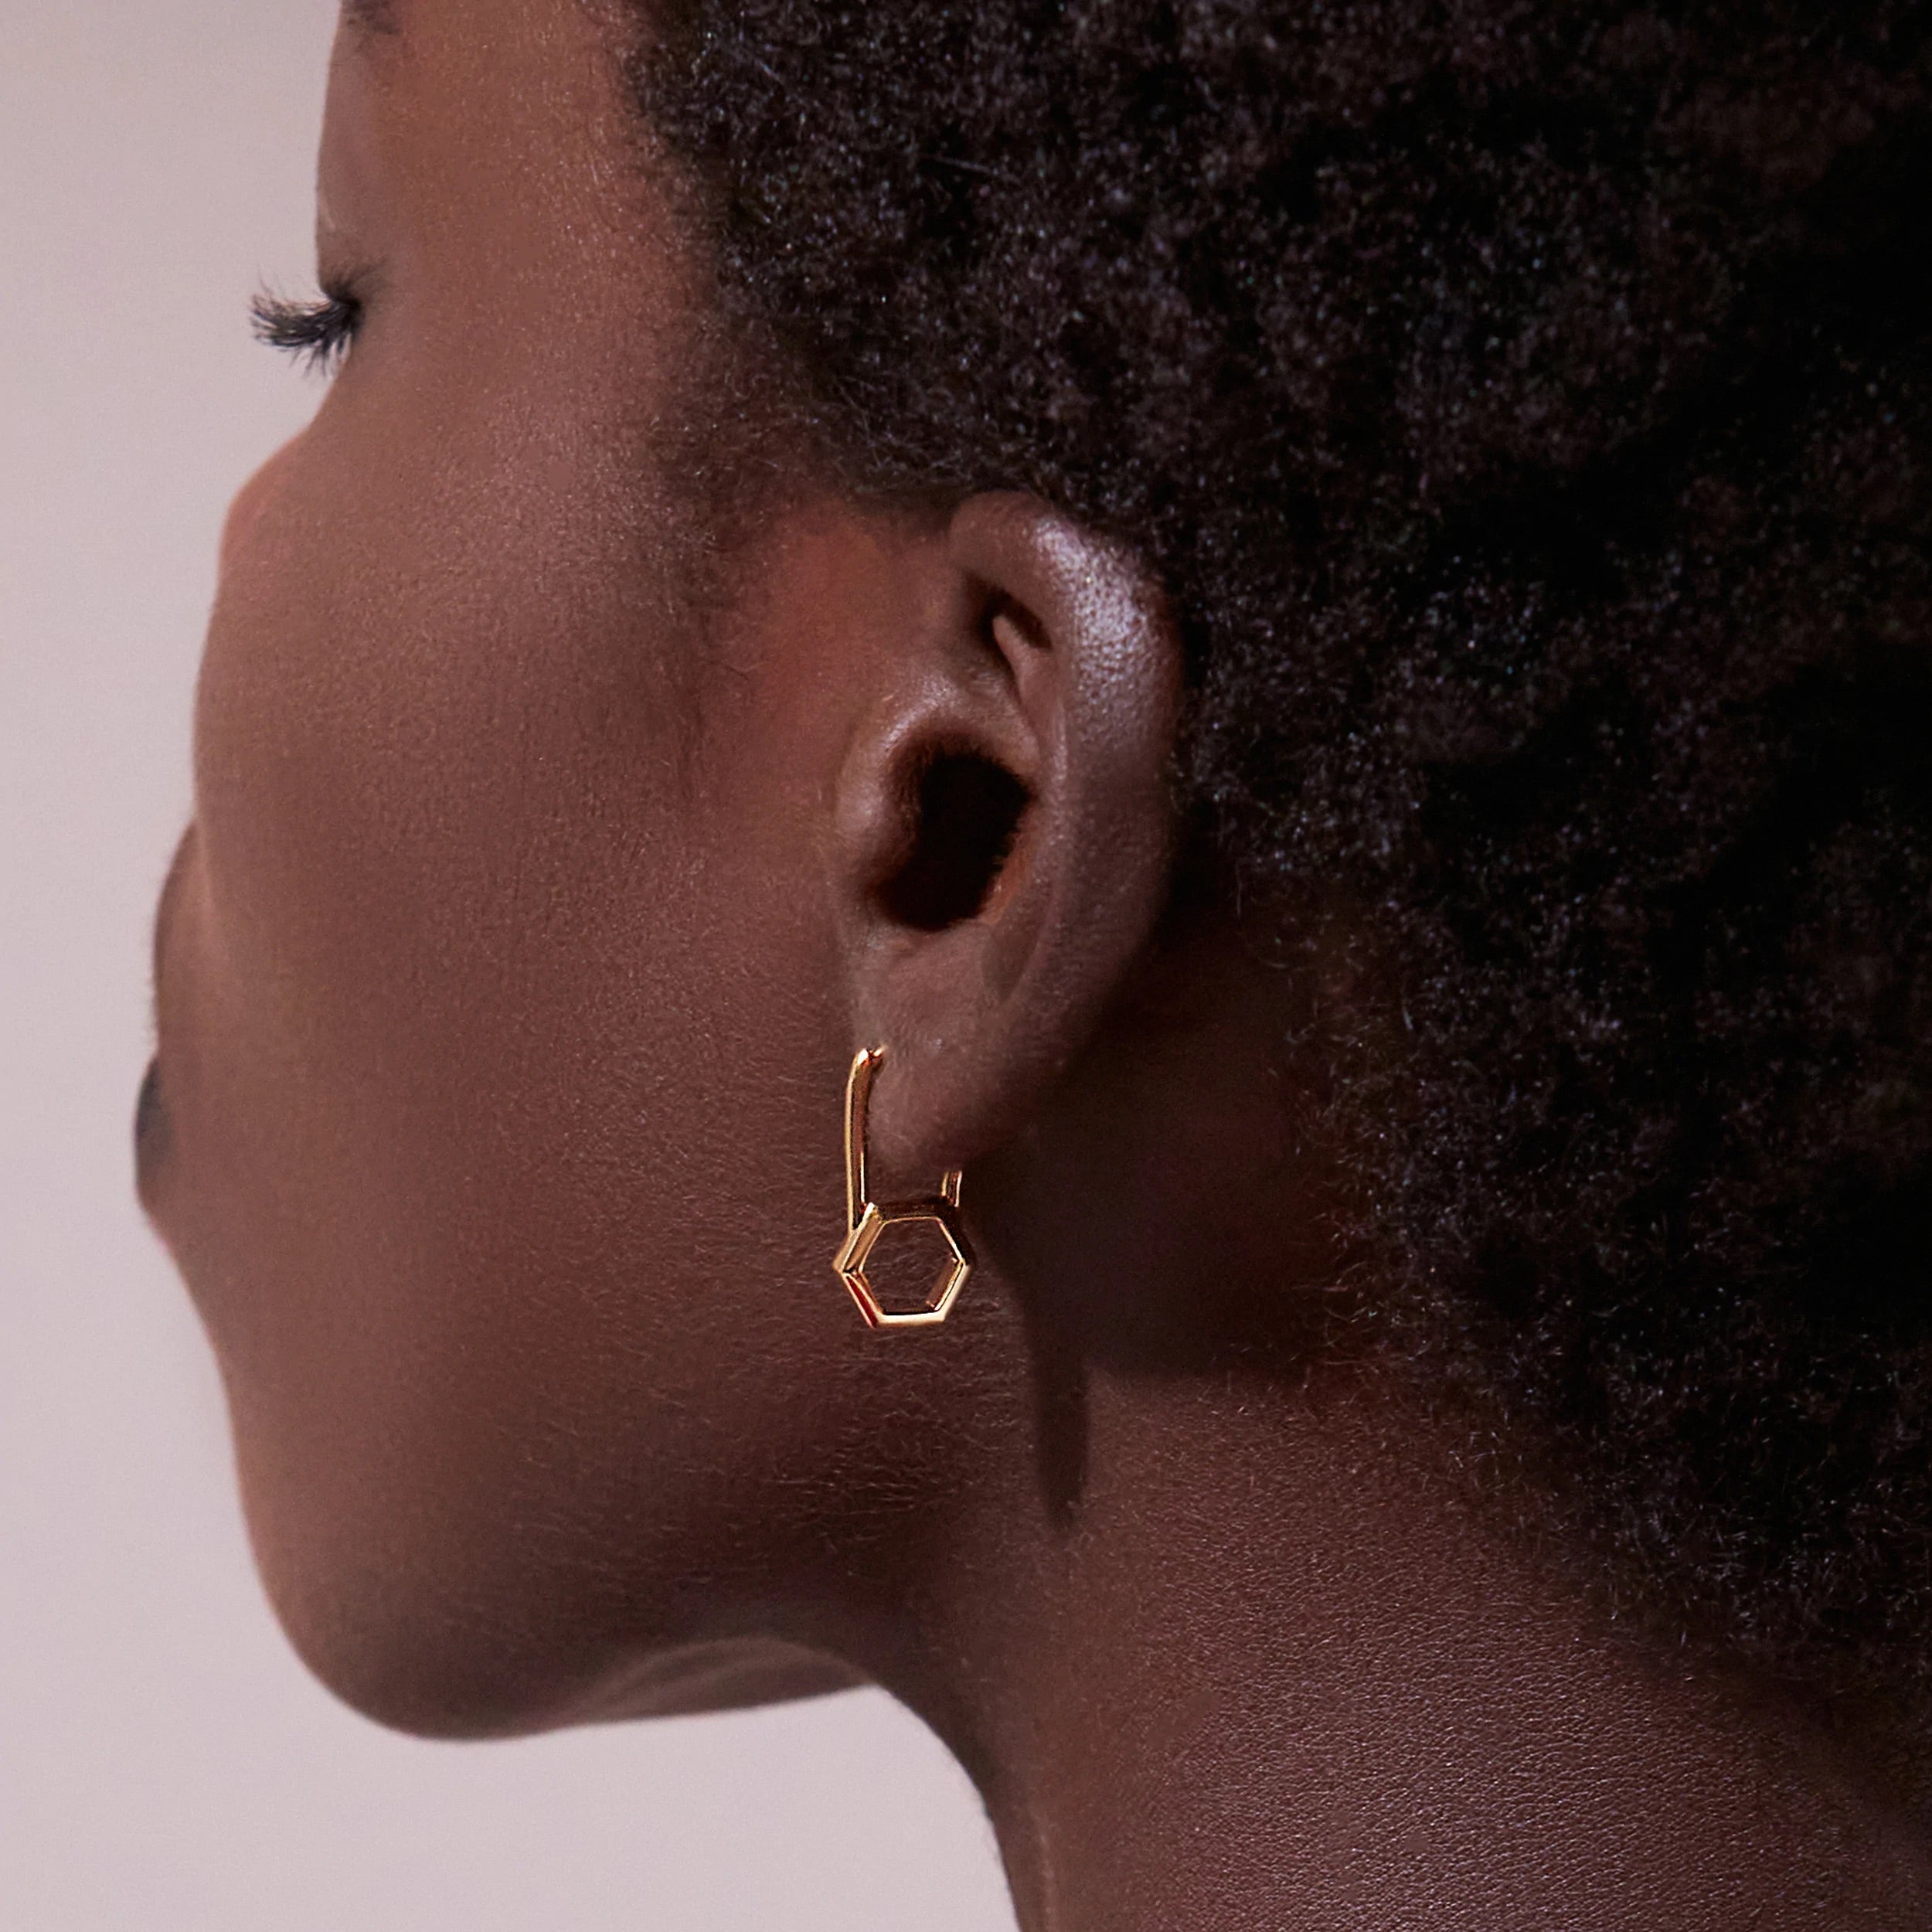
1527	406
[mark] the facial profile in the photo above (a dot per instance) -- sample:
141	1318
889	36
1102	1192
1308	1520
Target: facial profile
1297	640
456	672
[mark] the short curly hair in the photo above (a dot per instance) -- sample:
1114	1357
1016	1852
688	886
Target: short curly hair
1527	407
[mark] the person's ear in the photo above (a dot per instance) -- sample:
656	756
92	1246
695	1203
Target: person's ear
1005	826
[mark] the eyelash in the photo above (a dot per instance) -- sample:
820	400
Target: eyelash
319	334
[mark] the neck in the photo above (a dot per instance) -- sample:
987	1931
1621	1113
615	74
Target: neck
1274	1672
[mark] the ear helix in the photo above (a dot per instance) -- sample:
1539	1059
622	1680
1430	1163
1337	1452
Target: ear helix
867	1219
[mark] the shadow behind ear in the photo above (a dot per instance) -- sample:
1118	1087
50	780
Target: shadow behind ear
1007	830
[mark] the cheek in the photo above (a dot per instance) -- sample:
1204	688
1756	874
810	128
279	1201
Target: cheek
496	1181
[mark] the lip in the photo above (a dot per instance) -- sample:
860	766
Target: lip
170	891
153	1134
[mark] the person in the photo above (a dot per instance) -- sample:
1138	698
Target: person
1283	652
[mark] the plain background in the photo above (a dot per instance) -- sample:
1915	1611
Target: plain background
164	1762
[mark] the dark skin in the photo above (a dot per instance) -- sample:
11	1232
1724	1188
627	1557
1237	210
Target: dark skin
532	913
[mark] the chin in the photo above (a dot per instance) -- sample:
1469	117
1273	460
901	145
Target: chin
453	1672
424	1616
416	1661
411	1623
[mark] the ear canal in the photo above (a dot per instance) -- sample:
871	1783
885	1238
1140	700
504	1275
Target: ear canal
967	811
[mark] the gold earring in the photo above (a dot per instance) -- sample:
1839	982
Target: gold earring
867	1219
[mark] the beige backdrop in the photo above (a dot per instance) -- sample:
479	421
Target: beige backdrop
165	1764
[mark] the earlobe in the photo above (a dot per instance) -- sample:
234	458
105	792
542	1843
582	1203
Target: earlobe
1007	825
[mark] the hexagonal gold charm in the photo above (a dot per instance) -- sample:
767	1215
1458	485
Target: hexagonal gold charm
875	1219
867	1219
